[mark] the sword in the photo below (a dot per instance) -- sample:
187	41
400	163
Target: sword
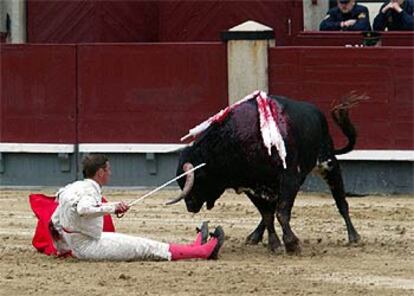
166	184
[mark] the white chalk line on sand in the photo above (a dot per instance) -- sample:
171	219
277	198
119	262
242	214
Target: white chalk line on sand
8	199
17	232
373	281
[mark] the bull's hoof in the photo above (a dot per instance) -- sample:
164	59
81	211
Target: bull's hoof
254	238
354	238
293	248
274	246
277	250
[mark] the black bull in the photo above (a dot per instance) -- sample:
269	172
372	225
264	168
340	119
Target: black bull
237	158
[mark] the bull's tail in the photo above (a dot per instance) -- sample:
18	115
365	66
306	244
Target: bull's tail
340	115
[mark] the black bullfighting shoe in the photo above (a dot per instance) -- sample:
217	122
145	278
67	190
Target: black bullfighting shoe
204	231
219	234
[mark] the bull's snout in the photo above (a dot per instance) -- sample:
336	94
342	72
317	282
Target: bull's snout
210	205
193	207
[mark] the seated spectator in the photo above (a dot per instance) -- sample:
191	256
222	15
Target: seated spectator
395	15
347	16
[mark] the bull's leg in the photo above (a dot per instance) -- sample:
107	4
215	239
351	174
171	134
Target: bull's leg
257	235
289	187
331	172
267	210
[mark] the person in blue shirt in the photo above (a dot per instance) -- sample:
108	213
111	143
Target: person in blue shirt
395	15
346	16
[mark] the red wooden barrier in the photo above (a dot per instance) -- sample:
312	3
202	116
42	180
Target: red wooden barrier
3	37
68	21
148	93
153	93
196	20
322	74
38	93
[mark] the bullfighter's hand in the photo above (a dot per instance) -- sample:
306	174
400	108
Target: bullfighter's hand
121	208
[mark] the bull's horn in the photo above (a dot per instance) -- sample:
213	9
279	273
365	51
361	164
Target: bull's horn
189	182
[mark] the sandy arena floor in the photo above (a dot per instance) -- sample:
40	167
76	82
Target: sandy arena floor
382	264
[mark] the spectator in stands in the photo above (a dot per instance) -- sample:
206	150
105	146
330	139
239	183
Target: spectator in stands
395	15
76	225
346	16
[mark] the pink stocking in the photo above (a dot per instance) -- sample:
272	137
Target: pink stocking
193	251
198	239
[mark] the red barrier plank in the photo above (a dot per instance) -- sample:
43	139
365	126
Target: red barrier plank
148	93
195	20
68	21
322	74
38	94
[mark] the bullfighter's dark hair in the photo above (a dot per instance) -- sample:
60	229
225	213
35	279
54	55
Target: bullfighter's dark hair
91	163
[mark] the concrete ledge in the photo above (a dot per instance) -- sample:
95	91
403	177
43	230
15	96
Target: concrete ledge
370	177
367	155
36	148
130	148
379	155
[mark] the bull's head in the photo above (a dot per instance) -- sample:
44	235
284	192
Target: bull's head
197	189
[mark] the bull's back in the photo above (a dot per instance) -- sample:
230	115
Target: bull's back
307	130
303	115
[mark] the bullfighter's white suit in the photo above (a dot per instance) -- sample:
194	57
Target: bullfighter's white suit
79	222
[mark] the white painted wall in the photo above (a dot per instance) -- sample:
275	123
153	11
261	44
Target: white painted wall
17	11
373	9
2	16
313	14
